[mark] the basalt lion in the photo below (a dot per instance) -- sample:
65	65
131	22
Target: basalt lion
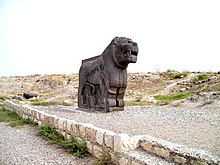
103	78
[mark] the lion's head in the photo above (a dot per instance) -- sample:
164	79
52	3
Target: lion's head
125	51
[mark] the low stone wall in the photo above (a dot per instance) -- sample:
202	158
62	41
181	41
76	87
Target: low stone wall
100	141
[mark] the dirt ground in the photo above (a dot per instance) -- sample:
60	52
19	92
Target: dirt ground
141	89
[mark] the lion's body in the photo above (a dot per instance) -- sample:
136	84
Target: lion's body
102	82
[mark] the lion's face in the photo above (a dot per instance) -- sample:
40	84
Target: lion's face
126	51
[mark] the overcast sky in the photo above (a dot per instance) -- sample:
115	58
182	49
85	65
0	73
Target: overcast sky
53	36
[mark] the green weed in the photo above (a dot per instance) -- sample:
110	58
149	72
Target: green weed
3	98
78	149
47	103
201	77
13	118
178	75
171	97
49	133
7	116
42	103
21	122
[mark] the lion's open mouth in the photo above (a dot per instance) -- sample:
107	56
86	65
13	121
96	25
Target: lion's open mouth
128	53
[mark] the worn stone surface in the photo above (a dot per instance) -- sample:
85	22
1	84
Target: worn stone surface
69	126
60	124
123	161
164	153
103	79
109	139
179	159
197	162
100	136
97	151
90	134
147	146
121	142
89	146
75	129
82	130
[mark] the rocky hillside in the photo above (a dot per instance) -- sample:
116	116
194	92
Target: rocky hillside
162	88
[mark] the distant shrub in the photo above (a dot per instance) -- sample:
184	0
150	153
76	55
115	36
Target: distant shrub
178	75
201	77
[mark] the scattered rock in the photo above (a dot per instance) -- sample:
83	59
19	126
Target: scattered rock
17	98
29	95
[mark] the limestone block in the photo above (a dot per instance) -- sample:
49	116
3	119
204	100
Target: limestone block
75	129
82	130
42	116
60	124
64	125
123	142
32	112
90	134
68	136
109	139
38	115
24	110
35	114
146	146
56	120
97	151
63	133
69	126
134	162
89	146
39	122
164	153
100	136
179	159
123	161
48	119
197	162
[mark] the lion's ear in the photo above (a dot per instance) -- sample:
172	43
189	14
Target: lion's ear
115	40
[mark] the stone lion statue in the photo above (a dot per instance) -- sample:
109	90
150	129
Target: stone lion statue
103	78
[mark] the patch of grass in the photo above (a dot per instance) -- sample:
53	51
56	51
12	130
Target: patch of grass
48	103
178	75
201	77
7	116
22	121
42	103
13	118
66	104
49	133
3	98
135	103
171	97
78	149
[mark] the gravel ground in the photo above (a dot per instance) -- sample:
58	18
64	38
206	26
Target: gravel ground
21	146
191	125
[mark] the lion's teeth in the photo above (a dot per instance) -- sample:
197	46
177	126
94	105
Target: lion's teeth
130	52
